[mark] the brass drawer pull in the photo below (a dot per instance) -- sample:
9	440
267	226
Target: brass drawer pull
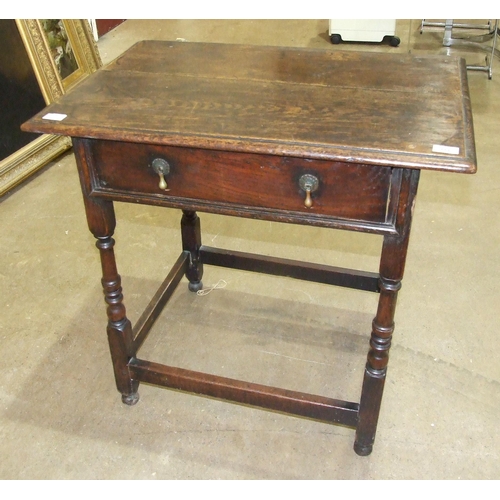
162	168
308	183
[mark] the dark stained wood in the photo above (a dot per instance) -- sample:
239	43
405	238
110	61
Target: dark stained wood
392	264
106	25
357	192
292	402
240	128
386	109
191	243
328	275
159	301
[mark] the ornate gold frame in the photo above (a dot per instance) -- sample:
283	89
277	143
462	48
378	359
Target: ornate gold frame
27	160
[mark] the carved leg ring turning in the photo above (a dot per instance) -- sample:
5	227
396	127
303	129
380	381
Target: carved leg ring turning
119	328
392	264
191	242
376	367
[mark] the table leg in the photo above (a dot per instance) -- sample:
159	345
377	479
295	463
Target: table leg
376	366
101	220
392	264
191	242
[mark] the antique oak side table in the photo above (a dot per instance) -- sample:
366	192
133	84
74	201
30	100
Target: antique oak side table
325	138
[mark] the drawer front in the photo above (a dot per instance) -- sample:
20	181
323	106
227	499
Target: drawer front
344	191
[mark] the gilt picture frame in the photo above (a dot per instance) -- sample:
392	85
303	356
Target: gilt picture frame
62	53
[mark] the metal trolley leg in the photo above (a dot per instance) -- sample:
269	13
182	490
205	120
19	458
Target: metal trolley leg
491	28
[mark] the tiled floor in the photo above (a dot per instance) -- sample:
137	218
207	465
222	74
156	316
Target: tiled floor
60	414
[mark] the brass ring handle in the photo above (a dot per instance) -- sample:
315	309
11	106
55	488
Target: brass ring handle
162	168
308	183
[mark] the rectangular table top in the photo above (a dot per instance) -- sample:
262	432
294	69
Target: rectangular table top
364	107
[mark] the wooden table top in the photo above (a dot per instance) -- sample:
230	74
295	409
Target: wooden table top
364	107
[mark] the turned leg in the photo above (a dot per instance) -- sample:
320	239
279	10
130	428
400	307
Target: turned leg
191	242
101	220
120	336
392	264
376	367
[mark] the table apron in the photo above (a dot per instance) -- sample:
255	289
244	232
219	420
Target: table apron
348	196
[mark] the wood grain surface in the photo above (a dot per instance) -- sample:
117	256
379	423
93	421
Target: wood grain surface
376	108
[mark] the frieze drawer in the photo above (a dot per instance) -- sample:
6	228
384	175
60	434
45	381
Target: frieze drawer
279	183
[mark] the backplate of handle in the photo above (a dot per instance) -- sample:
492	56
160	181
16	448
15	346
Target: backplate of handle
308	183
162	168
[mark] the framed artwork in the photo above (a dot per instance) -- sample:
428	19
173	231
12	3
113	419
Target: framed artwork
42	59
